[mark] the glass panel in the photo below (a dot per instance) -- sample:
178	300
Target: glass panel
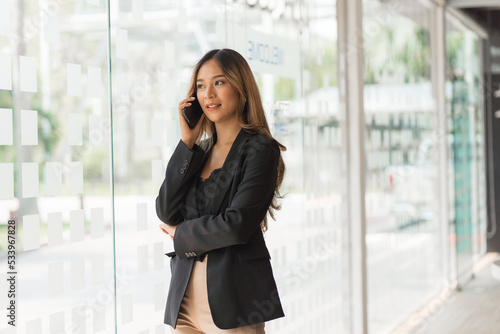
467	151
402	230
306	240
55	165
155	45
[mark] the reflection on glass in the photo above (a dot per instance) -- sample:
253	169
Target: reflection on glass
468	198
402	234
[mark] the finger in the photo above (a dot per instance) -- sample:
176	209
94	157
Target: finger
186	100
163	230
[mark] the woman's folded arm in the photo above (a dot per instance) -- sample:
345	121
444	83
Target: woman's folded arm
180	169
239	221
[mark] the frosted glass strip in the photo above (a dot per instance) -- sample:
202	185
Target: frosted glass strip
28	74
169	54
6	180
137	9
6	132
182	20
56	283
94	2
75	177
126	306
33	326
51	29
94	82
99	317
79	320
220	31
158	255
30	179
29	127
55	228
142	216
159	295
121	43
142	259
77	274
160	329
157	172
98	269
5	70
31	232
140	131
97	223
53	175
75	133
56	321
5	17
74	79
122	85
157	132
76	219
97	131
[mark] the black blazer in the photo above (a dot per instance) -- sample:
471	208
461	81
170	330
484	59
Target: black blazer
240	282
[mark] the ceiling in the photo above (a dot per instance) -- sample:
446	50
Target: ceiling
484	4
485	12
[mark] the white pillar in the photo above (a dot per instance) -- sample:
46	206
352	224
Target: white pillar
350	18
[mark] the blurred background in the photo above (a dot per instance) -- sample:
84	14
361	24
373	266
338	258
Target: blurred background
88	121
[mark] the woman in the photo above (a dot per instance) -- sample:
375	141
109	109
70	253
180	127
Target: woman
214	203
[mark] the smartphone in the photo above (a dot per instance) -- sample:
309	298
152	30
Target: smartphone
192	113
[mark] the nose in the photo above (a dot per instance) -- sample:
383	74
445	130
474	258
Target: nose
209	93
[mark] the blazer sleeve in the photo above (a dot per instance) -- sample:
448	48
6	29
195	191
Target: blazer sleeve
181	167
248	207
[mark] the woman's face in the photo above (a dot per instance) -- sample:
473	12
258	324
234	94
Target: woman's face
216	95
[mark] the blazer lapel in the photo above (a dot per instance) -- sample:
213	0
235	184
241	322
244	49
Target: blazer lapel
229	169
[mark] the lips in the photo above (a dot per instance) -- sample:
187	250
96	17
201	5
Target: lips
212	106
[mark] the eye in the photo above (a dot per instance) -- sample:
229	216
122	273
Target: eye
200	87
219	82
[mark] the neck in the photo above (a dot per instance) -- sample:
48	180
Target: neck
227	132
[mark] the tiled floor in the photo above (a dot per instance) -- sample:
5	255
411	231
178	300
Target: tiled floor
474	310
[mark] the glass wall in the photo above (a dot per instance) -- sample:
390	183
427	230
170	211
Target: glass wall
467	165
88	121
154	48
401	185
91	122
55	168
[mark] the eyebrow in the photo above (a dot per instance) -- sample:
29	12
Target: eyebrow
214	77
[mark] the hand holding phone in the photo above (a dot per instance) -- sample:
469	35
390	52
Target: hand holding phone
192	113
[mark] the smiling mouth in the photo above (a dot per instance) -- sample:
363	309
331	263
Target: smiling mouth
210	106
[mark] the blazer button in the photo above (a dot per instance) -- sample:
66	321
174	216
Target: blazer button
187	254
182	170
185	163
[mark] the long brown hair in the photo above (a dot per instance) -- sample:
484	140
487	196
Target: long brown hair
250	110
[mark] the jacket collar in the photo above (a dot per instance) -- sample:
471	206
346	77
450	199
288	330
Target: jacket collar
230	167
